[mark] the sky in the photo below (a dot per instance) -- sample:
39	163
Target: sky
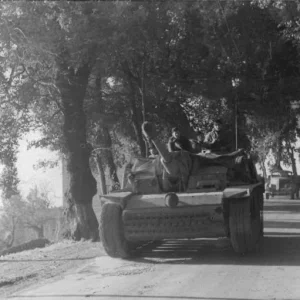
49	178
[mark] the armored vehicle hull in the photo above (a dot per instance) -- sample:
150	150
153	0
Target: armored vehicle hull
182	195
236	213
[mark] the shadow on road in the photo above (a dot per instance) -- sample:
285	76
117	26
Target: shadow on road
280	245
286	206
276	251
284	224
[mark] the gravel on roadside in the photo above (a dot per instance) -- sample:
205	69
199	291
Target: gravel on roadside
20	270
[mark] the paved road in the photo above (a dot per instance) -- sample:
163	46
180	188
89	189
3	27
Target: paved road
195	269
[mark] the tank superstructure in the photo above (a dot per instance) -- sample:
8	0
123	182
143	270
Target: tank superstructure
183	195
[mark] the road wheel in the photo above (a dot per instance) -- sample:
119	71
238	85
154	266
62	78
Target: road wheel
245	224
112	231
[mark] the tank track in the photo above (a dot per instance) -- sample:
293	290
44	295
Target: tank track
164	223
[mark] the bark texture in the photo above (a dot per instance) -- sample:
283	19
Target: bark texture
136	113
105	154
72	85
104	142
100	168
262	165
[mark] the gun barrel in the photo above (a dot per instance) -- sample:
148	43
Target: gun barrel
163	151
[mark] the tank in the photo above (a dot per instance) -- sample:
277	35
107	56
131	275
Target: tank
181	195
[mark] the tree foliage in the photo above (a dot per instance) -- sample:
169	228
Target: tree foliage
36	210
11	217
87	74
31	213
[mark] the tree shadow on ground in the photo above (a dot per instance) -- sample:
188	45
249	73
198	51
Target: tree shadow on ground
283	224
280	246
288	206
277	250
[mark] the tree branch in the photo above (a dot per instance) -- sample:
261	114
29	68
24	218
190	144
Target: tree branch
59	106
127	70
56	113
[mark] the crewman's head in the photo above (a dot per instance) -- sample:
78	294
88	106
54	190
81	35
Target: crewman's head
199	136
153	151
175	132
218	124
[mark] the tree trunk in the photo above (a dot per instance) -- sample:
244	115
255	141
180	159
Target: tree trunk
40	232
142	90
103	140
110	160
290	151
263	167
293	161
135	115
10	236
137	127
10	242
102	179
80	222
138	134
9	239
83	187
278	157
13	231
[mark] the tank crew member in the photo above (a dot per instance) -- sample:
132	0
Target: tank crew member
178	142
197	143
218	139
152	152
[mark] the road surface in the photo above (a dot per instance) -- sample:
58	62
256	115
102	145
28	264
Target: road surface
195	269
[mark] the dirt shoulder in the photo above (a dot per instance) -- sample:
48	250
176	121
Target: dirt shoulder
20	270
